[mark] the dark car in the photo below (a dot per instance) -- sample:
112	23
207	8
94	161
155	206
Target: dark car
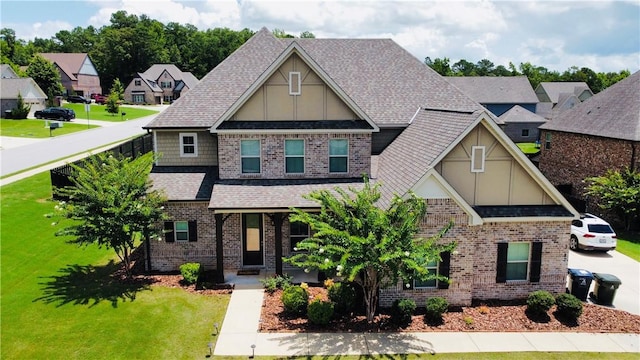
56	113
78	99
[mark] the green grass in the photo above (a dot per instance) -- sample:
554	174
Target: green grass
99	112
529	148
629	244
59	302
36	128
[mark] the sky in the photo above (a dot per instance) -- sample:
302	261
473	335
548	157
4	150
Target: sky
601	35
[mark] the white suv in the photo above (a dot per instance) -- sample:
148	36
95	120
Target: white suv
592	233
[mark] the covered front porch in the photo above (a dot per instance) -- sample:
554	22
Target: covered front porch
253	281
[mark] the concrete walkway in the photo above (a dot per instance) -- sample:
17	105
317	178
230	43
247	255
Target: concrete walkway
241	323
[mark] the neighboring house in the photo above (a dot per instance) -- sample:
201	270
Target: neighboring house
279	118
11	85
161	83
593	137
498	93
77	72
521	125
556	97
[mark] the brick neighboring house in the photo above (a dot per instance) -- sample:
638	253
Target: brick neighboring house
556	97
282	117
78	74
11	85
594	136
161	83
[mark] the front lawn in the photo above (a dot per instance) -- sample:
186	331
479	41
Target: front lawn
629	244
99	112
529	148
36	128
60	302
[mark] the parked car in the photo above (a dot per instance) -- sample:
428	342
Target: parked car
592	233
56	113
78	99
100	99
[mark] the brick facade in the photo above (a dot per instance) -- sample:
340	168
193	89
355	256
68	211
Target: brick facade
272	165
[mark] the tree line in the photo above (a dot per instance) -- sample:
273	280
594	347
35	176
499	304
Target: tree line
536	74
131	44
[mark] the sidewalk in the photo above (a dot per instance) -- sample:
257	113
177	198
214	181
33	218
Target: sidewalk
240	332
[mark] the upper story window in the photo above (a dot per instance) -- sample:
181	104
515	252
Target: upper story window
298	231
138	82
547	141
294	83
188	144
477	159
525	133
165	84
250	156
338	155
294	156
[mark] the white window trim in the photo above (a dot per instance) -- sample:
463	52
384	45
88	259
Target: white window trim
303	156
291	248
243	156
523	131
528	261
176	231
195	145
432	270
474	167
338	156
295	78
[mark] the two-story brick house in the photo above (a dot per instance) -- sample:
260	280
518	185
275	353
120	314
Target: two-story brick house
77	73
161	83
282	117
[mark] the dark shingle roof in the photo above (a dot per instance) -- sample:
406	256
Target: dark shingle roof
496	89
522	211
554	89
26	87
70	63
612	113
380	77
518	114
298	125
185	183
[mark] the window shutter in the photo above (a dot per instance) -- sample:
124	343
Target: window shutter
169	235
443	269
501	268
193	231
536	261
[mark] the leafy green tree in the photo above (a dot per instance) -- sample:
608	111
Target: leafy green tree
21	110
485	67
307	35
111	204
45	74
441	66
368	245
112	104
618	191
464	68
118	89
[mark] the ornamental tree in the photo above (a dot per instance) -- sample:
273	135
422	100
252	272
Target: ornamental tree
111	204
371	246
618	191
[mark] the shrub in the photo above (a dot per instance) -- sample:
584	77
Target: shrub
435	307
569	306
540	301
190	272
468	320
320	312
483	309
271	284
21	110
295	300
401	311
343	296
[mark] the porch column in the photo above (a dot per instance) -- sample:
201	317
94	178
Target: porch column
277	224
219	249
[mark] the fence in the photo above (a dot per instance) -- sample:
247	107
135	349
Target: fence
60	176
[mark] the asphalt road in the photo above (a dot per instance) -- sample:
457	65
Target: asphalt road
43	151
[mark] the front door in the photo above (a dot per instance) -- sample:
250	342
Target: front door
252	249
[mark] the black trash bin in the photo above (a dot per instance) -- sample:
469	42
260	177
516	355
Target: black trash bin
579	283
605	288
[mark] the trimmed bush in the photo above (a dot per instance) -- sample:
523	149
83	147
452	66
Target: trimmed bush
540	301
402	310
435	307
320	312
295	300
343	297
190	272
569	306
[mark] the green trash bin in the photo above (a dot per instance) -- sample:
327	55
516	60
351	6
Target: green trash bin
605	288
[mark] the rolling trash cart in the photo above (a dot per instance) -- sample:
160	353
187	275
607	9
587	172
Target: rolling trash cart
605	288
579	283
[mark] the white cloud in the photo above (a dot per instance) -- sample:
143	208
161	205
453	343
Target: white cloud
43	30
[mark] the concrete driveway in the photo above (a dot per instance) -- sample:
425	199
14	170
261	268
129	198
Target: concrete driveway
626	269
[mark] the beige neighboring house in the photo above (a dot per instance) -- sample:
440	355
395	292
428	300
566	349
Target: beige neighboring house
11	85
279	118
161	83
77	72
556	97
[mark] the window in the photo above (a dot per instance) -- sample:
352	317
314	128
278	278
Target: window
250	156
165	84
338	155
547	141
519	261
180	231
294	156
188	144
525	132
441	268
167	98
298	231
294	83
138	98
432	267
477	159
138	82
